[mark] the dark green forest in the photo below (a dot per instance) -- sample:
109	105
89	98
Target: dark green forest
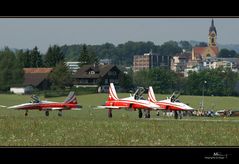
122	54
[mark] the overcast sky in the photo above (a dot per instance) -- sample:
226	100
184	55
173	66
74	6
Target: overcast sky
23	33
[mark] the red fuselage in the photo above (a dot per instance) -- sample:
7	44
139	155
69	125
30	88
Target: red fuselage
173	106
45	105
131	103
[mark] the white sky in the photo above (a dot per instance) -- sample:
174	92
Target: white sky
25	33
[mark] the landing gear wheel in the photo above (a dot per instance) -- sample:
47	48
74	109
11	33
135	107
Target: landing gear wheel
47	113
110	113
147	114
140	113
176	114
26	113
60	113
157	113
180	115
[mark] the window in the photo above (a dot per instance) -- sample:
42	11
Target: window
212	40
84	81
91	72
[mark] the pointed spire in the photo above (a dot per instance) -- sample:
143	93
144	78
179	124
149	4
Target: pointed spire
212	27
212	24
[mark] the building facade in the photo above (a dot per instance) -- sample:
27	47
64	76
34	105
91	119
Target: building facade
179	62
150	60
96	75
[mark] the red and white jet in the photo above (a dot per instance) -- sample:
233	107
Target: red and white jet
129	103
171	103
70	103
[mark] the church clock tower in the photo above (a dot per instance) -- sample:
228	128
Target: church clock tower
212	35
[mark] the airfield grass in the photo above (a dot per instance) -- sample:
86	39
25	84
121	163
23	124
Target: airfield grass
91	127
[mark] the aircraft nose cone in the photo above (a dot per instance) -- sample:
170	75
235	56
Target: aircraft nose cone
11	107
189	108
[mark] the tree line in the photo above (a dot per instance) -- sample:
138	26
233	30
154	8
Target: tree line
122	54
165	81
217	82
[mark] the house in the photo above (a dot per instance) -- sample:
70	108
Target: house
33	78
179	62
37	77
97	75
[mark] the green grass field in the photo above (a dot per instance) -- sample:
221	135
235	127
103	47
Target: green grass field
91	127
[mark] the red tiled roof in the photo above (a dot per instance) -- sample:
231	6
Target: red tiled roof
37	70
199	50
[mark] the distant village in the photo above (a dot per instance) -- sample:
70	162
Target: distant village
200	58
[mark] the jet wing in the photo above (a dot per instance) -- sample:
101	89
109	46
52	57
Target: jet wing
57	108
110	107
61	109
75	109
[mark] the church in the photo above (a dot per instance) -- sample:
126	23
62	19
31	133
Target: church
211	51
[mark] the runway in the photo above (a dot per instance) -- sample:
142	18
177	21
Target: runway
196	120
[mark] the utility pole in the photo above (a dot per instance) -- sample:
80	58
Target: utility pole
203	95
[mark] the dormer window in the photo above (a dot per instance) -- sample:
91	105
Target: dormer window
91	72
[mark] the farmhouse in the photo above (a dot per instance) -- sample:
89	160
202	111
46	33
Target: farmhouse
37	77
97	75
33	78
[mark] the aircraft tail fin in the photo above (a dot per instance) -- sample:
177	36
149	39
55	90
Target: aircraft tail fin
151	95
112	93
71	98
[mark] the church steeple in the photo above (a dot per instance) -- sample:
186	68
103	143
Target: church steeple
212	27
212	35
